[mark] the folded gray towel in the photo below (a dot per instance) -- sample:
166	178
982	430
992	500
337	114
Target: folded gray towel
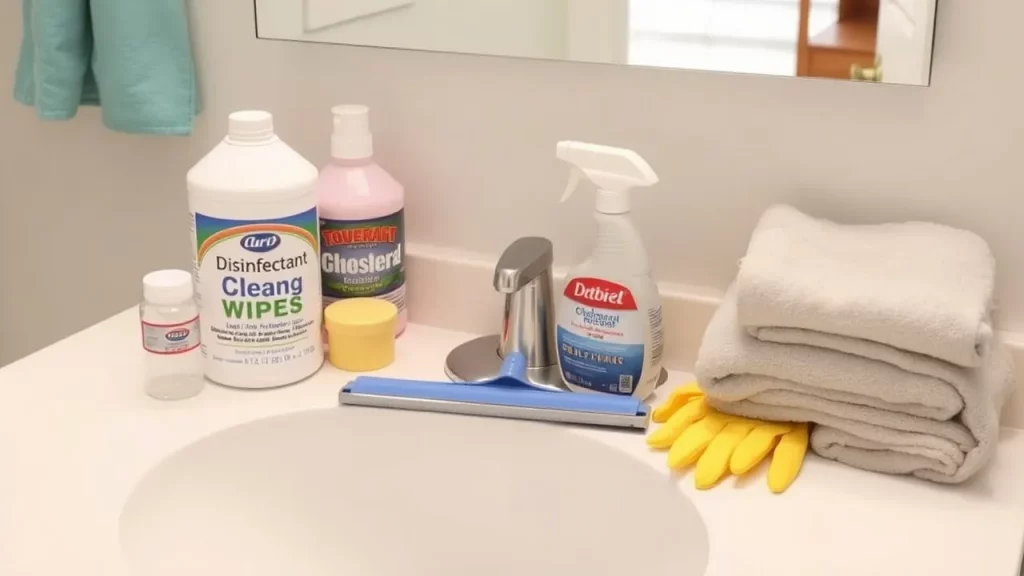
871	414
909	361
910	287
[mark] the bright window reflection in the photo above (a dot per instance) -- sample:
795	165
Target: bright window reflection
750	36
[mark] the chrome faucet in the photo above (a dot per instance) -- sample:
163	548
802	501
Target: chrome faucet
523	275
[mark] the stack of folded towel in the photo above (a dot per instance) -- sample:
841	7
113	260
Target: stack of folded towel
880	335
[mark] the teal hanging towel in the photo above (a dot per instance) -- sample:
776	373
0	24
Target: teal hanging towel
130	57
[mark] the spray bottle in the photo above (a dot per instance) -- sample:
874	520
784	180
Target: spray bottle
609	332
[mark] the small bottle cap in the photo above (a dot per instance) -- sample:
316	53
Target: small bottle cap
250	126
167	287
351	139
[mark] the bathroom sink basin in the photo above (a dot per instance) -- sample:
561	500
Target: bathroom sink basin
388	493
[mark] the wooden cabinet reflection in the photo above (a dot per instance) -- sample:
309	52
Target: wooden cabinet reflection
849	41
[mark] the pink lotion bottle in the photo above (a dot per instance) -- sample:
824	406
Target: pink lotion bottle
362	226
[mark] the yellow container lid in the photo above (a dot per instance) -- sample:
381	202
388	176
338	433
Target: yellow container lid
360	316
361	334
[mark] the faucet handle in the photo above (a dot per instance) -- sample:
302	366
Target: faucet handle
522	261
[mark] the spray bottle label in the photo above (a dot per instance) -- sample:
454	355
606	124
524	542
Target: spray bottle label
601	337
258	288
364	259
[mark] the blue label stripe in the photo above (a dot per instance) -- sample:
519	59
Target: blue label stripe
601	366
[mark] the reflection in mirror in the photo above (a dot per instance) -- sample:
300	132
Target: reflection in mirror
867	40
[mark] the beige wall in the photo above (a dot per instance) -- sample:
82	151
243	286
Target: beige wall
84	212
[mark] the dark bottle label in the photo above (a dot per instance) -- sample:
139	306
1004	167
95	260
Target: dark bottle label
363	259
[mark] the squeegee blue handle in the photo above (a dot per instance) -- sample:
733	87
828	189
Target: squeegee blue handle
513	366
495	395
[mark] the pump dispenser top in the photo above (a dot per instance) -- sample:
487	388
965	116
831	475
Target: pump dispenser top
613	170
352	139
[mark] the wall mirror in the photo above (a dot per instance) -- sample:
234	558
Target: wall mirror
887	41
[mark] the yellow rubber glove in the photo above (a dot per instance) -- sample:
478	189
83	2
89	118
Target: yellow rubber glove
695	433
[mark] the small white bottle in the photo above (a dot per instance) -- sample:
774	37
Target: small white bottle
609	333
170	336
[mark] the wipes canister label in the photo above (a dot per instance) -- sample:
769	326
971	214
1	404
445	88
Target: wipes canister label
600	337
258	288
363	259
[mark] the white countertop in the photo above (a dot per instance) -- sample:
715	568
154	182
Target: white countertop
77	433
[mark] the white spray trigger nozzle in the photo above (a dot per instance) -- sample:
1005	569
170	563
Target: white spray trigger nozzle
613	170
575	175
